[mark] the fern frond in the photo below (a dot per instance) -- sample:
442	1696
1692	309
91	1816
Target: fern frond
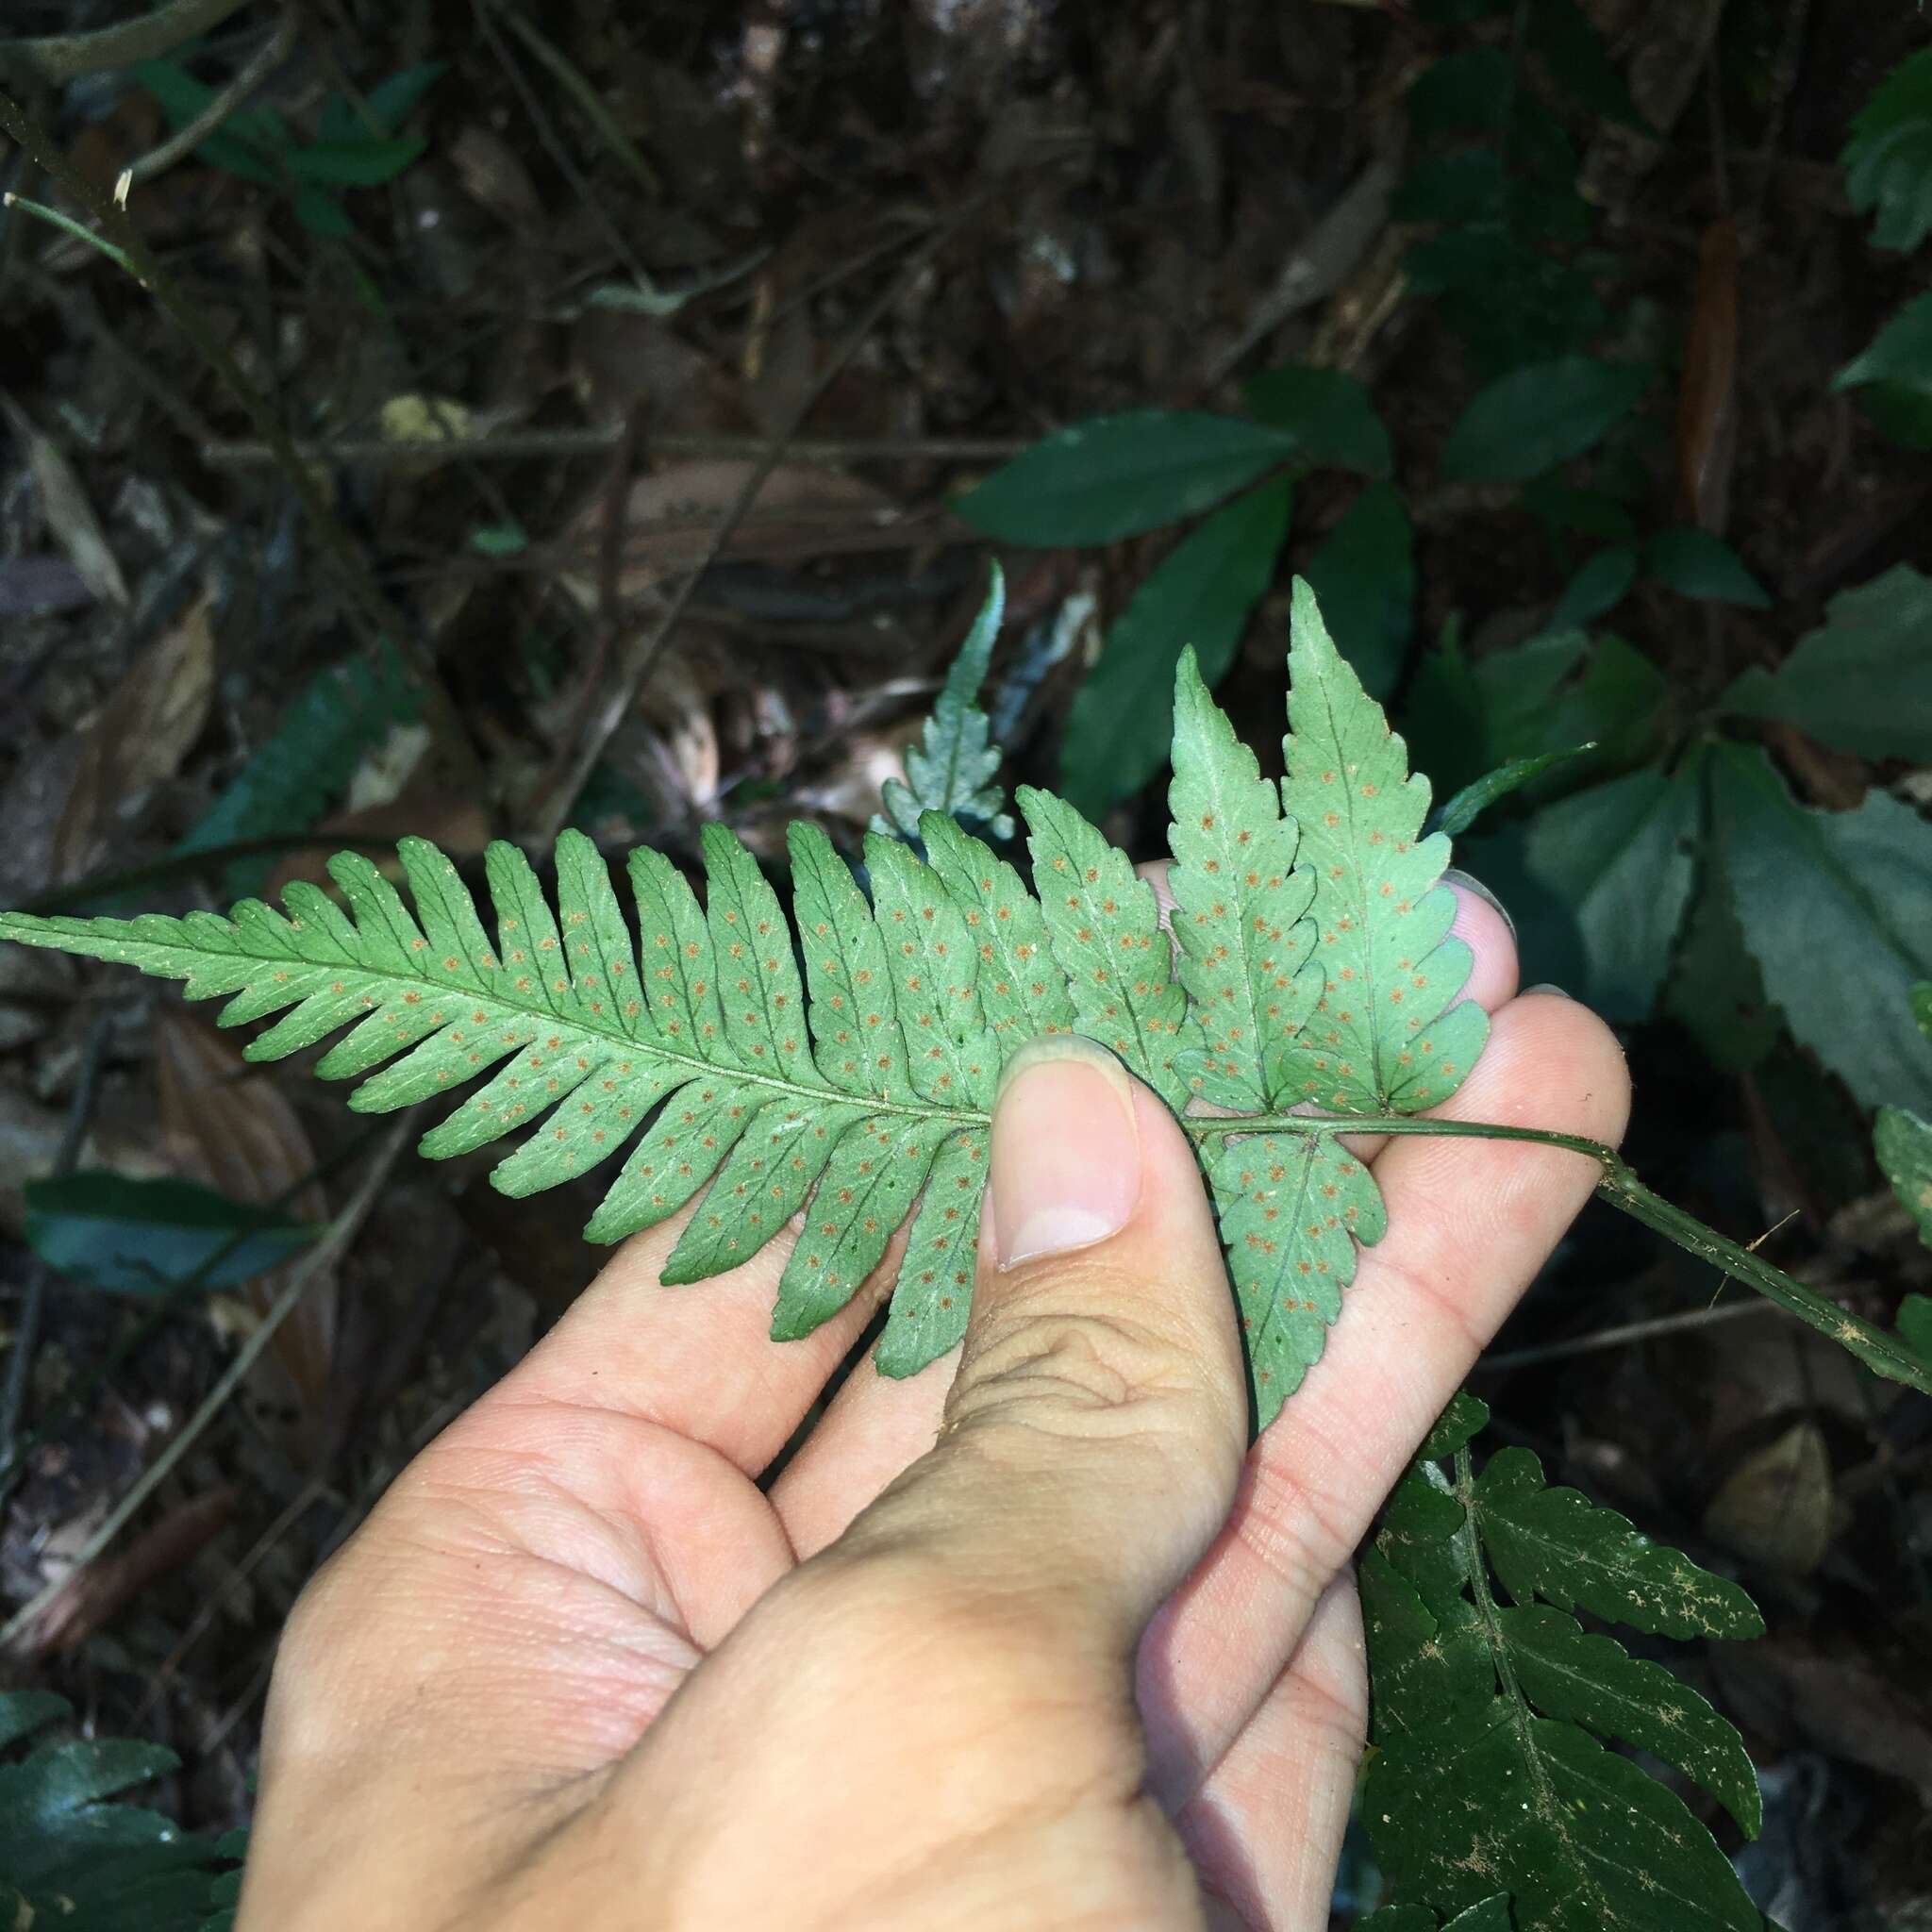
952	769
840	1065
1488	1774
1385	1038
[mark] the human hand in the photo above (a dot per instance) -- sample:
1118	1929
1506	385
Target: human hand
1031	1638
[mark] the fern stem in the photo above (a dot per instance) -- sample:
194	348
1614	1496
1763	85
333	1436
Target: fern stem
1618	1185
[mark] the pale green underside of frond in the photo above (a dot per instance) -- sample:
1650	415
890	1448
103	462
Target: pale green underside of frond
836	1069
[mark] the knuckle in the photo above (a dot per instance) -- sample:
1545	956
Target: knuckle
1083	1366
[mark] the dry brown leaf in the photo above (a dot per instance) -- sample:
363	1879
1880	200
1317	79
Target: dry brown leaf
459	825
229	1125
1774	1509
136	739
70	515
1706	404
671	516
495	177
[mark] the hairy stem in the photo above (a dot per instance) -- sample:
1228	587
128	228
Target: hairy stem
1887	1354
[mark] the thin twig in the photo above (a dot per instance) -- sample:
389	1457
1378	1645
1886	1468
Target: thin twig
554	808
587	98
1624	1332
26	1325
324	1254
519	446
184	140
372	613
56	59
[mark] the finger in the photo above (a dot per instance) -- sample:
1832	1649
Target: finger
874	1430
1470	1223
696	1360
1093	1433
1265	1830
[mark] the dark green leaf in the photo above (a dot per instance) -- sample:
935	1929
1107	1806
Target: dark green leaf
1894	375
1578	61
249	143
366	163
1902	1143
1862	681
1586	512
1556	1545
1530	420
1465	92
1915	1322
1463	1419
953	768
1327	412
393	101
1201	593
1887	161
1512	304
1363	575
1715	988
1600	585
1593	1681
1117	476
1844	887
321	212
69	1855
1619	856
307	760
1469	805
112	1232
1464	185
1697	564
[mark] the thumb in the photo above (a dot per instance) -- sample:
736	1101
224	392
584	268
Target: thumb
1095	1430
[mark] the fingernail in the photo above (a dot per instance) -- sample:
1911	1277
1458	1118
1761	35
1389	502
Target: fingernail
1555	992
1475	889
1066	1151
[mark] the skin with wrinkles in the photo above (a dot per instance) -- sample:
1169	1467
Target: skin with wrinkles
1032	1638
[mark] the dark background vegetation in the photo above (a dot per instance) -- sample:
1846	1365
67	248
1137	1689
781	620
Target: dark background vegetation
887	245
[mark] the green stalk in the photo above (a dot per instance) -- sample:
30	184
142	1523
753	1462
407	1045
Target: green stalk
1884	1352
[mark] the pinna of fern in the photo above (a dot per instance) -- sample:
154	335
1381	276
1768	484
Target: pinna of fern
841	1067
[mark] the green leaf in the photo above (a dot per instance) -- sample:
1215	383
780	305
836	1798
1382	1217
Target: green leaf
366	163
1386	1037
1555	1544
953	768
1896	375
1364	579
69	1855
1460	812
1862	681
393	101
1619	857
1536	418
1715	988
1104	931
1486	1774
1580	62
1201	594
1327	412
1241	907
1915	1322
1887	161
250	143
1902	1143
935	1291
1117	476
1467	91
1697	564
1291	1208
1466	1416
1602	583
1021	991
321	212
1847	887
1557	691
307	763
1594	1682
125	1235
